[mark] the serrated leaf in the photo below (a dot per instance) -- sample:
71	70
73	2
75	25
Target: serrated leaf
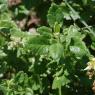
5	16
38	49
7	24
72	32
37	45
56	51
46	31
55	14
79	48
38	40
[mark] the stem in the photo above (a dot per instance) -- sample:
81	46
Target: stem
81	20
60	91
91	33
2	34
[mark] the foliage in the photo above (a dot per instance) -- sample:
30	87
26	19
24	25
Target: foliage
51	61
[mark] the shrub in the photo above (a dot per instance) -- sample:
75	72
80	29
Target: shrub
51	61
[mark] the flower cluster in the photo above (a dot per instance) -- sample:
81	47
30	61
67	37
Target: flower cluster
91	68
15	42
91	64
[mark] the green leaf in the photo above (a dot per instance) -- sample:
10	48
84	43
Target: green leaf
7	24
55	14
84	2
3	6
2	40
38	49
75	49
21	77
57	28
93	45
34	82
37	44
60	81
23	10
29	91
71	32
66	11
5	16
79	48
46	31
56	51
57	83
2	54
92	35
38	40
74	14
3	1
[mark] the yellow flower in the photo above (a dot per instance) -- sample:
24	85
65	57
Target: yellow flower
91	64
